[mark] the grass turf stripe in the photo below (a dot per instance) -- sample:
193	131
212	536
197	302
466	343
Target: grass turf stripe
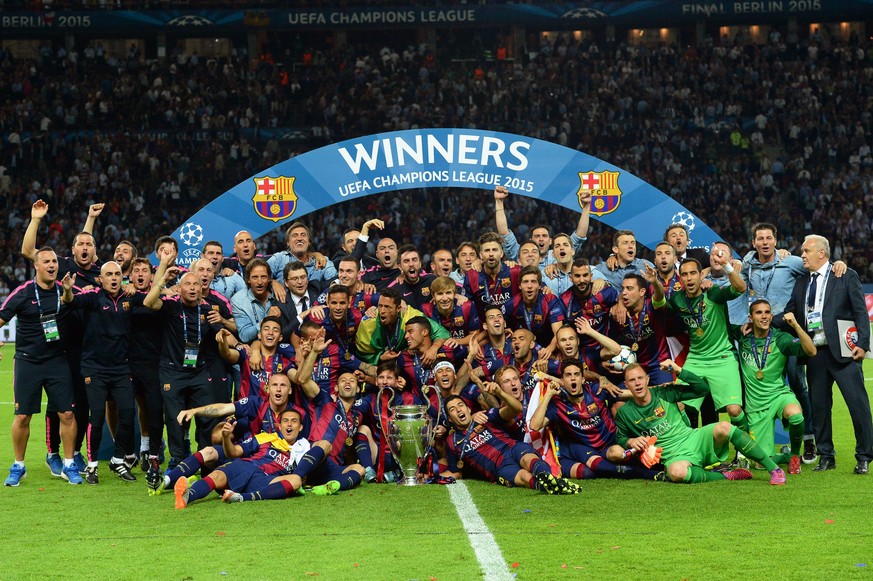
487	550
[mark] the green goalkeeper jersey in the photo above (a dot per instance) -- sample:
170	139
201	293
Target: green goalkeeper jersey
761	391
706	318
661	417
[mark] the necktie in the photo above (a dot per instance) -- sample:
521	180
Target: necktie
304	304
813	289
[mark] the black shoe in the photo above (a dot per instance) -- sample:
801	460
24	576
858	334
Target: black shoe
123	471
662	477
154	478
826	463
809	452
144	460
547	483
862	467
91	475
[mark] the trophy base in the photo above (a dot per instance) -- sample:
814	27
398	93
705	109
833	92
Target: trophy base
409	480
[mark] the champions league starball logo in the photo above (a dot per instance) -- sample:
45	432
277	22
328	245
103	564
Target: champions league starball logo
190	20
685	219
191	235
584	13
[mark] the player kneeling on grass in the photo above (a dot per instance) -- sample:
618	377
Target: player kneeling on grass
685	450
764	355
493	454
580	413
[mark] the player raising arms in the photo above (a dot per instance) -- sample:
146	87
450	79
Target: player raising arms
685	450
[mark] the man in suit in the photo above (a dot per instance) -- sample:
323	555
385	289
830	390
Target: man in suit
818	301
299	300
355	244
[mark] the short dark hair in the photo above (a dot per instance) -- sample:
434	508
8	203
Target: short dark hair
531	269
388	366
166	240
764	226
419	320
293	265
452	398
757	302
132	247
579	262
393	294
619	233
641	282
571	363
490	237
690	260
270	319
349	258
338	289
408	248
212	243
674	226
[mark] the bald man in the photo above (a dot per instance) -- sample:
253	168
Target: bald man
105	369
187	350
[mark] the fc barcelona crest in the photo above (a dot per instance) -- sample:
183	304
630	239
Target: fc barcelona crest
603	189
275	198
660	412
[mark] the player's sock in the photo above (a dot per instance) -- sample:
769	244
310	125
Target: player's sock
186	467
741	421
780	458
200	489
581	472
275	491
696	474
309	462
362	447
749	448
540	466
795	433
349	480
143	443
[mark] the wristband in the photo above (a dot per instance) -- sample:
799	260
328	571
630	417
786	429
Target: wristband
728	268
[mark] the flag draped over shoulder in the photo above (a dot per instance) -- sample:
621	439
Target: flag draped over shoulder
542	440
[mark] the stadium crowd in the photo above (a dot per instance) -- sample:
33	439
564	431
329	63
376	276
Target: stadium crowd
725	128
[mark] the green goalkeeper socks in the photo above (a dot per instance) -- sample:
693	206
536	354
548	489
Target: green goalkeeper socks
741	421
746	446
696	474
795	433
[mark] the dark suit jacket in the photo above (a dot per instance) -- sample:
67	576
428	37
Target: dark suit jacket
844	299
289	313
359	252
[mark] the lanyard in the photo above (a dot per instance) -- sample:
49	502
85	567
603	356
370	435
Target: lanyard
637	331
819	298
528	315
488	286
185	325
422	374
394	344
263	376
762	361
752	291
39	304
343	423
699	314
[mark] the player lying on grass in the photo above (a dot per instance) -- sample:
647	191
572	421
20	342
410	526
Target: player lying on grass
271	467
254	414
491	453
764	356
580	413
685	450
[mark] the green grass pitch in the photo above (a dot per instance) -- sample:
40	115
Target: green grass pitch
819	525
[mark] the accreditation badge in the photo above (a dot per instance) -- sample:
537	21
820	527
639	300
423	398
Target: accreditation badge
50	328
189	360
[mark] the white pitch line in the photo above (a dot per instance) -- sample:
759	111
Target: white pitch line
487	550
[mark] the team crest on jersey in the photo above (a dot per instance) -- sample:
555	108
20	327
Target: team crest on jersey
87	381
592	408
538	319
603	189
505	282
425	292
659	412
677	286
275	198
325	361
125	306
596	308
459	321
166	387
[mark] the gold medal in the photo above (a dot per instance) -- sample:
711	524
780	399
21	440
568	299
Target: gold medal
460	464
635	347
699	332
759	374
347	356
752	293
349	441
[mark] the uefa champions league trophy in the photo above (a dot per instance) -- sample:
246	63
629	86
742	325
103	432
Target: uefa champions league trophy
409	436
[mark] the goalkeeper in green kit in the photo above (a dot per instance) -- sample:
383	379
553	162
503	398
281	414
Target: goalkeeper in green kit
705	316
654	411
763	355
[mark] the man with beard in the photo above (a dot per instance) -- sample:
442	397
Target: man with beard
125	254
665	265
383	337
253	304
489	451
580	412
298	238
583	299
496	350
108	316
539	234
498	283
535	311
413	284
224	283
624	248
461	321
386	272
559	275
40	363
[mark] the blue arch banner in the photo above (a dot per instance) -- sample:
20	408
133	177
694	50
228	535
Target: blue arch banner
462	158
